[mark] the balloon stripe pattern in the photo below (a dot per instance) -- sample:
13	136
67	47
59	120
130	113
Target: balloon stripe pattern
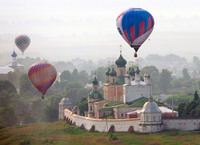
135	25
42	75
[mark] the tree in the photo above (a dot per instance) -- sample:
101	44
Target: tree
26	88
177	83
75	91
8	116
100	72
181	107
37	109
50	114
196	62
7	86
186	75
75	76
196	96
83	105
165	80
66	76
84	77
154	73
13	77
28	118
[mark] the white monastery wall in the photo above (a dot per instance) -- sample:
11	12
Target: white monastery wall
134	92
103	125
181	124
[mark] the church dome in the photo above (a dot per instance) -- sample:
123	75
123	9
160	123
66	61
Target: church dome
14	54
120	62
65	101
95	81
131	71
150	107
137	70
107	71
113	73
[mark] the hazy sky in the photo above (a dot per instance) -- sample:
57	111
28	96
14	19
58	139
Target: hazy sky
66	29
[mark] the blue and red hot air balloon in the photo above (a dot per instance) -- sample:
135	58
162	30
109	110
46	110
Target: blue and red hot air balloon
42	75
135	25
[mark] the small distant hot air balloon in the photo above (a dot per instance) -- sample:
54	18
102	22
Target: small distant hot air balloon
22	42
135	25
42	75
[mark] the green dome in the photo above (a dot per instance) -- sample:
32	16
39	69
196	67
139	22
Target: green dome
131	71
112	72
95	95
137	71
120	62
108	71
95	81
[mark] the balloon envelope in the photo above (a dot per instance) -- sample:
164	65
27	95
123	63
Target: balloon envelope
22	42
135	25
42	75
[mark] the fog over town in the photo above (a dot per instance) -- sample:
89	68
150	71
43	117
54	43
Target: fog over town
64	30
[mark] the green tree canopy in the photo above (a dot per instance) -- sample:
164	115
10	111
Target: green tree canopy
186	75
165	80
196	96
7	86
8	116
66	76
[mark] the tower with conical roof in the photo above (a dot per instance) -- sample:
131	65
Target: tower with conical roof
64	103
112	76
147	79
107	74
16	66
132	73
93	97
14	61
137	74
121	66
150	117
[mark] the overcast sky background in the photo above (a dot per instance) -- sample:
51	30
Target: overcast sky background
67	29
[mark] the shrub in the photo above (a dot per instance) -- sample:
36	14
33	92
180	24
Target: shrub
25	142
113	137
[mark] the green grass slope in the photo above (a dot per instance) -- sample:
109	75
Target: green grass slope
59	133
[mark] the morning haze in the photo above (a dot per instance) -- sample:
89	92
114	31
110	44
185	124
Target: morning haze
64	30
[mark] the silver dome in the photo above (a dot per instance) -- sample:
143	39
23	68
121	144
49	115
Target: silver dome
65	101
150	107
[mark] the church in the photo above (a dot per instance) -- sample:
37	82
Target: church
11	67
122	90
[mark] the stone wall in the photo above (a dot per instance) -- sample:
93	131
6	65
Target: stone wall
181	124
134	92
102	125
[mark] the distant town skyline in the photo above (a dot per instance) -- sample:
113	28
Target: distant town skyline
63	29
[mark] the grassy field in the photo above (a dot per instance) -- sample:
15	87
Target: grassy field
59	133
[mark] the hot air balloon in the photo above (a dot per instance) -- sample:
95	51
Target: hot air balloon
135	25
22	42
42	75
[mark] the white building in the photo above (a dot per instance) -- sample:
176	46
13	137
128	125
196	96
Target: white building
134	90
11	67
64	103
